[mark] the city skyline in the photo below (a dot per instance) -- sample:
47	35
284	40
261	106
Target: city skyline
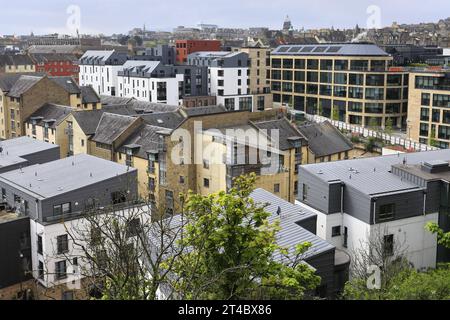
59	15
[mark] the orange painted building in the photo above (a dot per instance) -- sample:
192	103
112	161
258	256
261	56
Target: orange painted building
186	47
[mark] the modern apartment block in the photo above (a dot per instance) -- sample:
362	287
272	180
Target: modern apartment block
152	81
54	196
260	76
163	53
185	47
389	197
350	82
428	112
228	77
99	69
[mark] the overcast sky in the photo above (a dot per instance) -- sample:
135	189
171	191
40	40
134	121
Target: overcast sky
119	16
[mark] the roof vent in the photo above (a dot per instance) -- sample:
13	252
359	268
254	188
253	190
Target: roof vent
91	175
279	211
436	166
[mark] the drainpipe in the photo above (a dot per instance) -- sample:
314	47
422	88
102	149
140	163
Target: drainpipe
375	211
424	203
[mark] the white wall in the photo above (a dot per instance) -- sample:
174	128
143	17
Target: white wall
230	78
97	77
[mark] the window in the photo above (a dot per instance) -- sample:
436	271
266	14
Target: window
41	270
425	114
206	183
39	244
386	212
336	231
276	188
426	99
389	245
62	244
62	209
60	270
118	197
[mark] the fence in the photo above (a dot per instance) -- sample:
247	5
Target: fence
406	143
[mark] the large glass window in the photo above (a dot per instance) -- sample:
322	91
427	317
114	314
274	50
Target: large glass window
356	93
299	88
299	64
359	65
340	91
340	78
276	74
276	63
299	75
355	106
393	93
326	90
424	129
394	79
375	93
378	65
313	77
326	64
393	108
341	65
446	116
376	80
299	103
356	79
288	64
313	64
436	115
312	89
426	99
441	100
444	132
374	108
326	77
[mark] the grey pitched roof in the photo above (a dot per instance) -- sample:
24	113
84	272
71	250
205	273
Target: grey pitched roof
110	100
169	120
7	81
15	60
291	234
67	83
111	126
88	120
22	85
51	57
62	176
324	139
286	131
50	113
143	140
336	49
150	107
201	111
88	95
372	176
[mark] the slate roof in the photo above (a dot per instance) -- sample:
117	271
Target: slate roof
50	113
110	100
15	60
22	85
111	127
150	107
64	175
286	131
52	57
67	83
88	120
324	139
89	95
201	111
7	81
336	49
372	176
169	120
144	139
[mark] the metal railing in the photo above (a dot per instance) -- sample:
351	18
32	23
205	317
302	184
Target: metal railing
406	143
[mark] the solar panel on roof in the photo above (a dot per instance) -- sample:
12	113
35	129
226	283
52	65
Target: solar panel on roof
283	49
320	49
307	49
334	49
295	49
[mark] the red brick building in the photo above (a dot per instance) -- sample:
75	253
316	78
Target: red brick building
56	65
186	47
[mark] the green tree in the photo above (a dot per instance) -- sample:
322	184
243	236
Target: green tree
443	237
231	250
335	116
388	127
432	141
